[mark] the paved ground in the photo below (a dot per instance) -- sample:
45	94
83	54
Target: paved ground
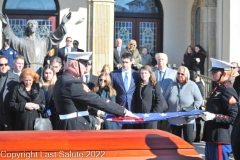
200	147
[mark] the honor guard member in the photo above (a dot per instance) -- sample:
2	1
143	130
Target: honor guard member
221	111
72	96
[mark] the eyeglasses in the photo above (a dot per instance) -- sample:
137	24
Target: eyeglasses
180	74
68	40
100	80
5	64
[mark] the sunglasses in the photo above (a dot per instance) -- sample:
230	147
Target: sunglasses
6	64
180	74
68	40
100	80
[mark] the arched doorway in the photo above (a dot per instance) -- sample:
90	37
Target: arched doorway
20	11
141	20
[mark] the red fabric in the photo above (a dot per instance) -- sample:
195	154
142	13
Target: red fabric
127	118
219	151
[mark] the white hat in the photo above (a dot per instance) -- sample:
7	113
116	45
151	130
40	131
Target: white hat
220	65
79	55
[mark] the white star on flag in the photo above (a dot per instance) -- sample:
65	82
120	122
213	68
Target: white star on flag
146	115
163	114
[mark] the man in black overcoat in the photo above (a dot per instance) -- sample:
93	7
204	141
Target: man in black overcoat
8	81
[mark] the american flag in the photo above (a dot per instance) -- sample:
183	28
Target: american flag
148	117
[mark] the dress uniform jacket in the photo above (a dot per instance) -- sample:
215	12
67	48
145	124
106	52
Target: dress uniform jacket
223	103
72	95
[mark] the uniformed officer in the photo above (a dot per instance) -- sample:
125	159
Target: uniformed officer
221	110
72	96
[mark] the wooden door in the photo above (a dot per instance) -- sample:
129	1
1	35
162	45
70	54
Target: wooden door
144	30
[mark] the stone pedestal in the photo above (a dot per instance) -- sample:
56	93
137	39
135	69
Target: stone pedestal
101	32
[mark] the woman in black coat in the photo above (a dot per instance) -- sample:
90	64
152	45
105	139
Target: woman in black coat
199	59
27	100
149	96
188	57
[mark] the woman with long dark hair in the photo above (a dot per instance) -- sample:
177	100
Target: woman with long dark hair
199	59
105	90
149	96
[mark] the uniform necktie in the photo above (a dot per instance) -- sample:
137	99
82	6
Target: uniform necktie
86	78
126	81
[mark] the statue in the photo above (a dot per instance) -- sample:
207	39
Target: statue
31	46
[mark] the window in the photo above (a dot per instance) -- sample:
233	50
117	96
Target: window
30	5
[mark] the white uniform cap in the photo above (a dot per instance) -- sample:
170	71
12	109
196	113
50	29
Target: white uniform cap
220	65
79	55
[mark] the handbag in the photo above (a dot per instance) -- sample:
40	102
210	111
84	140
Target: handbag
182	120
42	124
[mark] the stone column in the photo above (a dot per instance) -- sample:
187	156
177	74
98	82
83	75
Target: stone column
100	33
234	31
208	29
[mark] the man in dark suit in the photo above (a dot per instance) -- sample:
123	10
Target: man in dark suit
75	45
124	81
62	51
8	81
88	78
118	51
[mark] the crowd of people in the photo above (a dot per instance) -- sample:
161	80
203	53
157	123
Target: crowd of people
74	99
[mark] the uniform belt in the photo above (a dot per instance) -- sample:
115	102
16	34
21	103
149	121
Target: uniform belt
73	115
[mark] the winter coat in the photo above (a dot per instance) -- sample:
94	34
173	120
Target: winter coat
24	118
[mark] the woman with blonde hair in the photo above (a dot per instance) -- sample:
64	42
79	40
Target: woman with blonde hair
47	82
149	97
132	49
183	95
27	101
106	68
105	90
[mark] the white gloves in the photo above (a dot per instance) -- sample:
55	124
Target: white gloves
129	113
207	116
100	113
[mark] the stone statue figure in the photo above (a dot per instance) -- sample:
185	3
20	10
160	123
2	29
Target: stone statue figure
32	46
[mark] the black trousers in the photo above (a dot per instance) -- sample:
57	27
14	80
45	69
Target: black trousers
187	131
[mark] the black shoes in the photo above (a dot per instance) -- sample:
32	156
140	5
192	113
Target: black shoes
197	139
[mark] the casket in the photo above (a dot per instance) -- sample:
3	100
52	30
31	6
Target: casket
104	144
